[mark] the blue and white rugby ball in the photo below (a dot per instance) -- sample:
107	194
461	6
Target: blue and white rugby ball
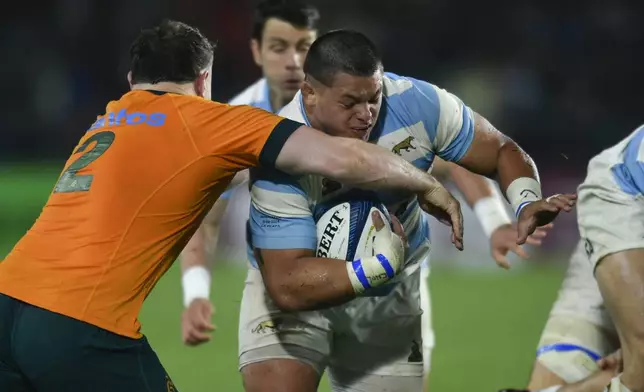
345	229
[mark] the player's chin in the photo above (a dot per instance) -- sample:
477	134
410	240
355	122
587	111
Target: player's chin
359	133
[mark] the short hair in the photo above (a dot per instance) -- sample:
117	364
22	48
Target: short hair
345	51
170	52
294	12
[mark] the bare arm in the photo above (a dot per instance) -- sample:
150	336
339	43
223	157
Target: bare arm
365	165
350	161
472	186
296	280
496	156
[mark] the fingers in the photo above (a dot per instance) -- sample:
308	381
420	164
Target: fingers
398	230
559	202
533	241
456	218
519	251
377	220
523	230
500	259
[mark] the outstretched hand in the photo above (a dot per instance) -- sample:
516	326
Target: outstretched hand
542	212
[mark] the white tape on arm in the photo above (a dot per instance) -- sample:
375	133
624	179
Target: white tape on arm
492	214
196	284
523	191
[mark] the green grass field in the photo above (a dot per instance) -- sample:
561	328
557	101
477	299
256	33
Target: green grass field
487	322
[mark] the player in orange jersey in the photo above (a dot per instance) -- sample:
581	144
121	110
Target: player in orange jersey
129	198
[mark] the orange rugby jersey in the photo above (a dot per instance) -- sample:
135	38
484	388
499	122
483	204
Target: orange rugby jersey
130	197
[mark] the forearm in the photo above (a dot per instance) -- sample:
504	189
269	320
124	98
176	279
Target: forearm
350	161
310	283
482	196
496	156
473	187
195	271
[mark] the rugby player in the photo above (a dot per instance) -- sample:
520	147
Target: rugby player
129	198
600	306
282	33
361	321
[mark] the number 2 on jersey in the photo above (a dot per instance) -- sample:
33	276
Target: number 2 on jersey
70	181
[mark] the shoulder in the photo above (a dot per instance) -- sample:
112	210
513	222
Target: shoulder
293	110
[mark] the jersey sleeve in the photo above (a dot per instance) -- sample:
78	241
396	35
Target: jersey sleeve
451	128
629	175
280	216
243	135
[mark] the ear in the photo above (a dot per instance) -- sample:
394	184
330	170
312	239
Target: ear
255	48
129	78
200	84
309	96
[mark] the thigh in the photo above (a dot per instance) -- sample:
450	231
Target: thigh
621	280
279	351
280	375
57	353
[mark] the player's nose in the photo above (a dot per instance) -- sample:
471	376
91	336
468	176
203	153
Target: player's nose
294	60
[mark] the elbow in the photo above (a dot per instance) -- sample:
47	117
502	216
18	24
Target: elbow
284	297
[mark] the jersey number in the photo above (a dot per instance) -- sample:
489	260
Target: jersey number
71	182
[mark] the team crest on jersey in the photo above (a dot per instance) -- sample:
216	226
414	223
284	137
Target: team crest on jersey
268	326
404	145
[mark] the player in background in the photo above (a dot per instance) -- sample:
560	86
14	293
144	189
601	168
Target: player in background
282	32
595	315
130	197
361	321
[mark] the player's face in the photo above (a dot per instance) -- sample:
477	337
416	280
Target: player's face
350	106
281	55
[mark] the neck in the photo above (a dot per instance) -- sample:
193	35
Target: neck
168	87
277	99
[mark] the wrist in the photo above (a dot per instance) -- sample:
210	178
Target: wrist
369	272
196	284
523	191
491	213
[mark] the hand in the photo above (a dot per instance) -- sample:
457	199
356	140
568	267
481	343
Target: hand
542	212
196	322
504	240
440	204
612	363
391	245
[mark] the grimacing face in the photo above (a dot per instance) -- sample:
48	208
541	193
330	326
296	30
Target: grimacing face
347	108
281	54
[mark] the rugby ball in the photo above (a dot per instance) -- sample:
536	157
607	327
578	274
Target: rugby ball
345	229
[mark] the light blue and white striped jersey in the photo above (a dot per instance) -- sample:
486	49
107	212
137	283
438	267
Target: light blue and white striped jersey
417	121
621	165
257	95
